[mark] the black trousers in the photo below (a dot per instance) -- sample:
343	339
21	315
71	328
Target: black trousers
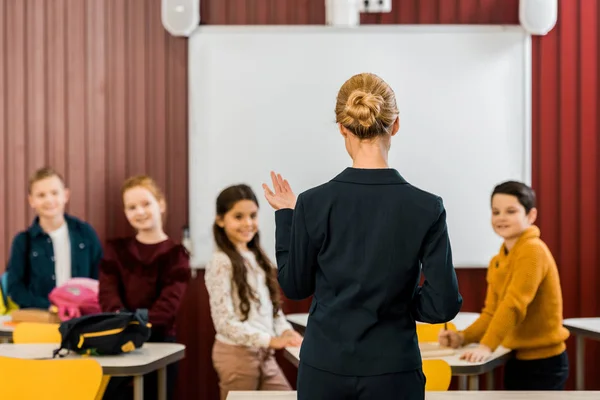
542	374
121	388
316	384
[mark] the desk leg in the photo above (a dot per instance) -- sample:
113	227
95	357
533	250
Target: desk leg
462	382
489	380
138	387
580	362
162	384
473	382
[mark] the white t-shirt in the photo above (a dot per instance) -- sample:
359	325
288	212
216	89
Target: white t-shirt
62	254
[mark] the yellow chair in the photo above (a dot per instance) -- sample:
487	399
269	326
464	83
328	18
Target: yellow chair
438	374
75	379
430	332
36	332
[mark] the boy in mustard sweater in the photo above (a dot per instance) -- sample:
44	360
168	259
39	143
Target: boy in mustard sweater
523	305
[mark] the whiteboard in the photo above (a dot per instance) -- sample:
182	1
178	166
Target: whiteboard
262	99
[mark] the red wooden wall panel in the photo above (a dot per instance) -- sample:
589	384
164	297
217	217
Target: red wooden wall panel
98	89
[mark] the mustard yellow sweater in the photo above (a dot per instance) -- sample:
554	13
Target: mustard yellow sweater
523	306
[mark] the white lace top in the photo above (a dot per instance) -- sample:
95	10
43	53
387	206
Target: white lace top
260	326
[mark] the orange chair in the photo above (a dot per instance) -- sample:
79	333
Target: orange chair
75	379
37	332
430	332
438	374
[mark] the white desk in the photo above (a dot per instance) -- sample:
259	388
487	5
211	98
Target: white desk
6	331
460	368
462	320
454	395
582	328
151	357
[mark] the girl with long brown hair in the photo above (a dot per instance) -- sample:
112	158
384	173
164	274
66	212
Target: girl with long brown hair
244	299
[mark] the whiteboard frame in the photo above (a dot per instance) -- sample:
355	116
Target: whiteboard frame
420	28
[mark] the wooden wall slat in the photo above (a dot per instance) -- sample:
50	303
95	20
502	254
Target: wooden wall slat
548	136
136	97
403	12
95	115
4	201
75	38
177	151
447	12
262	11
15	113
316	11
301	13
280	12
156	85
216	12
567	160
427	12
36	96
588	155
467	11
55	85
117	114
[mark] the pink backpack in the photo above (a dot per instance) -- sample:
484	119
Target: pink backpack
76	297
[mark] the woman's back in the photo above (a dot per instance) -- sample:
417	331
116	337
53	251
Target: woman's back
358	243
369	231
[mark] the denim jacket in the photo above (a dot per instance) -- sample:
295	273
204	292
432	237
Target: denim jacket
31	269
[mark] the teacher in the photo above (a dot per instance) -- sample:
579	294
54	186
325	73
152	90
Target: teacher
357	245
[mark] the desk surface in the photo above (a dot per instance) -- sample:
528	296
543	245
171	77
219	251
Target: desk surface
462	320
459	367
454	395
150	357
589	327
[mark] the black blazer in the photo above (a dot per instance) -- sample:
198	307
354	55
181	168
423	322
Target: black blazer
358	243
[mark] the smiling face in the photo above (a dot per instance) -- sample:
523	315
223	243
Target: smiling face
509	218
240	223
142	209
48	197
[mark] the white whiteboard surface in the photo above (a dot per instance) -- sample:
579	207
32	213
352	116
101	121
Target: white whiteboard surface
262	99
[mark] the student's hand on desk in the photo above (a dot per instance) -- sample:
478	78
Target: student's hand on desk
451	339
293	336
479	354
283	197
285	340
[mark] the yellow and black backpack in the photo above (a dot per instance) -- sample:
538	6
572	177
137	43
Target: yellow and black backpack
105	333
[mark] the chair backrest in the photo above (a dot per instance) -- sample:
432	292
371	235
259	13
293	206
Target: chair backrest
430	332
76	379
36	332
438	374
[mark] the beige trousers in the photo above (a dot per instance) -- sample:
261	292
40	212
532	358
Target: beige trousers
247	368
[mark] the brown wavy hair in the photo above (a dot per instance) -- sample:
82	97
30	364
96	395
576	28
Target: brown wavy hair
225	202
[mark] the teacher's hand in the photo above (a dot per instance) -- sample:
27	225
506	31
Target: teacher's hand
283	196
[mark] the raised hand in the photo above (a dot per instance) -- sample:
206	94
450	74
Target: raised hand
283	196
